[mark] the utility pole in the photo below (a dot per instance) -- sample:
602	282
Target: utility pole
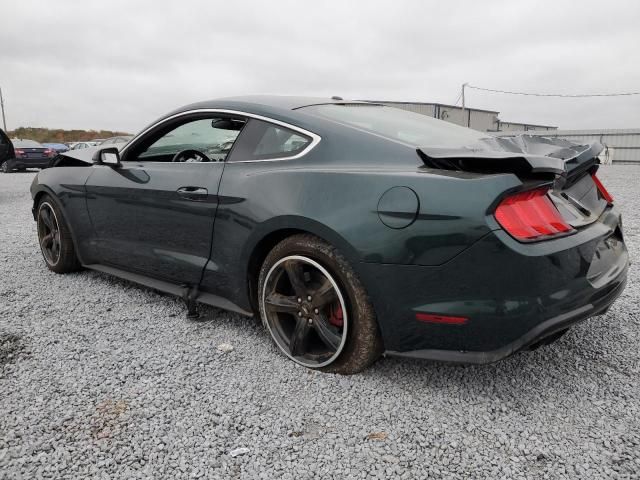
4	120
463	104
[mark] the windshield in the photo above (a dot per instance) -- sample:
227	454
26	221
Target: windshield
396	124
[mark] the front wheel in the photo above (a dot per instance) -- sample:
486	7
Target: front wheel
315	307
54	237
4	167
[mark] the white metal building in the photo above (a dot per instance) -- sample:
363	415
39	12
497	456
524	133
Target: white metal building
520	127
476	118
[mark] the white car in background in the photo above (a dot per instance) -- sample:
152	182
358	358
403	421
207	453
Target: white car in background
81	145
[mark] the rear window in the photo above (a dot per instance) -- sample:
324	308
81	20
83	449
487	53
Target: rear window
26	144
396	124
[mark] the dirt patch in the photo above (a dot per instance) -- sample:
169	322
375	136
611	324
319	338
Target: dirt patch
10	347
106	421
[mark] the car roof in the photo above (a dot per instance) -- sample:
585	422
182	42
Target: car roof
278	107
265	102
286	102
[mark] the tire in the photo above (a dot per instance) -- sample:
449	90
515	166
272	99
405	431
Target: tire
52	230
5	167
342	334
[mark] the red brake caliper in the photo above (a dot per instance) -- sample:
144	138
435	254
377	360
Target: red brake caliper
336	317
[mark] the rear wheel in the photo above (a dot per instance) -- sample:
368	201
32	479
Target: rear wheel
5	167
315	307
54	237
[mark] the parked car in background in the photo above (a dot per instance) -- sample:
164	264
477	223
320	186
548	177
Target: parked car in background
27	154
350	228
6	150
81	145
58	147
120	139
98	141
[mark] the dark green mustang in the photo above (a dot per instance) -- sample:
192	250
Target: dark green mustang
352	229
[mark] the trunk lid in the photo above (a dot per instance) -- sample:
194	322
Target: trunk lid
579	201
34	152
524	155
566	165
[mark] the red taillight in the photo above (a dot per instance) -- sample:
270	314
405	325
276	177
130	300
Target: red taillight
603	191
445	319
531	216
49	152
18	152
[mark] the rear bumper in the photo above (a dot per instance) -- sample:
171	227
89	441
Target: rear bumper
19	163
512	294
536	334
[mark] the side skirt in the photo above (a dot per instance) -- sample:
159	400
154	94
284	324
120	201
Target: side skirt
171	288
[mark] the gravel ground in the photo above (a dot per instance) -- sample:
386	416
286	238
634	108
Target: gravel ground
100	378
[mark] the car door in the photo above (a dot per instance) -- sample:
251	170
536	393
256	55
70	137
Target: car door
154	214
249	199
6	147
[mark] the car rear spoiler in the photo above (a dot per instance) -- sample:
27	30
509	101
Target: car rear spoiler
523	155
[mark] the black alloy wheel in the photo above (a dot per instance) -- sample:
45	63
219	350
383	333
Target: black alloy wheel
305	311
49	234
54	238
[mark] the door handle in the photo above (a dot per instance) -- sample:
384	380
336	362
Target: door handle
197	194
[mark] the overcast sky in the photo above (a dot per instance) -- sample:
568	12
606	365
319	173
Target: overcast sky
120	64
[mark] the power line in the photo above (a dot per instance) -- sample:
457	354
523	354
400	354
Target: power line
624	94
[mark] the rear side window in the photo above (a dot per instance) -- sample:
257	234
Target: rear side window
263	141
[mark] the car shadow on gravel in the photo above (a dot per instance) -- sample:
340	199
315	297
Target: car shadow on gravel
524	373
208	315
571	367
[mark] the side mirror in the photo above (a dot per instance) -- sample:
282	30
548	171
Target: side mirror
107	156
